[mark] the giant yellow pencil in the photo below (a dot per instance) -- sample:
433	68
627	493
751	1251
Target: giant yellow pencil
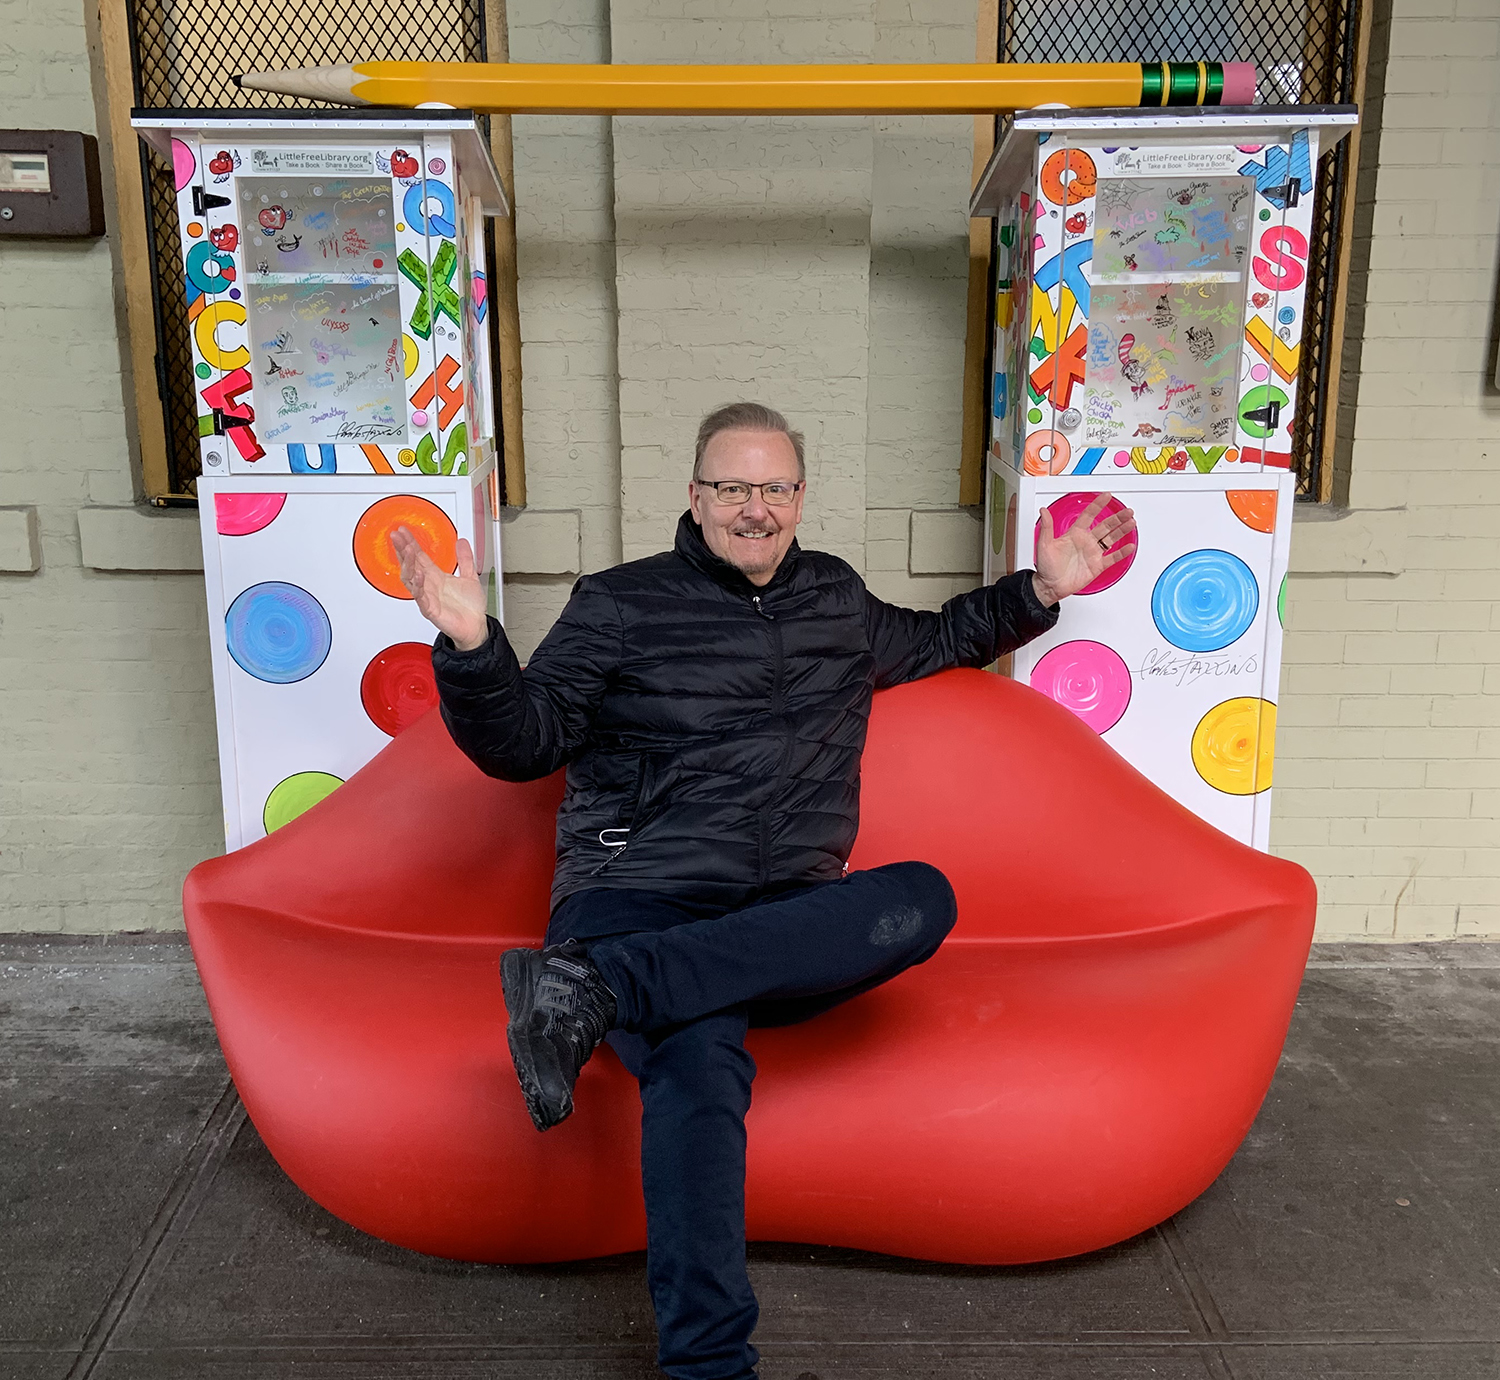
516	88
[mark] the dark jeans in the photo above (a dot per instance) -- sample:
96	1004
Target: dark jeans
689	980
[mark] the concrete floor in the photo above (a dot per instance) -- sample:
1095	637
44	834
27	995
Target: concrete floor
147	1233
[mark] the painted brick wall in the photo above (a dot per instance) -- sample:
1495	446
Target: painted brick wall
742	265
108	772
565	245
1388	770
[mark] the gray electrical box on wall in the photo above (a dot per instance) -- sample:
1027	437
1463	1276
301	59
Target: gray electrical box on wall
49	184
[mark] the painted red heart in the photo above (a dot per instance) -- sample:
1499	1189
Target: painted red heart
1260	298
225	237
273	218
221	162
403	164
1075	224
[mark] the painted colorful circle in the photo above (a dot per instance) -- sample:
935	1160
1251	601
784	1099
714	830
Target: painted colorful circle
409	356
1255	409
296	795
1088	679
431	206
209	270
1287	315
376	557
1256	508
1046	452
397	687
1034	416
1065	512
184	164
1234	743
1281	603
1205	600
238	515
202	370
1068	174
278	632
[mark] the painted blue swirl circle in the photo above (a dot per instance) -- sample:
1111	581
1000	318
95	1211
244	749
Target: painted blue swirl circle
1205	600
278	632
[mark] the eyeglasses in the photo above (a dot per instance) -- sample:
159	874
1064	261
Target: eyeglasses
735	493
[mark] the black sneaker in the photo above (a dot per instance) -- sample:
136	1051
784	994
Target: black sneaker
560	1010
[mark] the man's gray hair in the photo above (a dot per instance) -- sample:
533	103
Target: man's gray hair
746	416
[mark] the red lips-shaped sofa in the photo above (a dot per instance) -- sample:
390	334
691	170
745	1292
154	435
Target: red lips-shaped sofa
1079	1061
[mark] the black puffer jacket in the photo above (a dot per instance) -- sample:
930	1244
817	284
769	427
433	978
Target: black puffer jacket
712	731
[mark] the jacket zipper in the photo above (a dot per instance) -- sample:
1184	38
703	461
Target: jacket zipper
615	840
777	703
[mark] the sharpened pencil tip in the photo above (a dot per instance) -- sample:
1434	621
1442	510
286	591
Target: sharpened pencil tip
237	83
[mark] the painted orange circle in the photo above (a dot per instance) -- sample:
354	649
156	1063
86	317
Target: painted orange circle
1078	187
376	557
194	229
1035	458
1254	507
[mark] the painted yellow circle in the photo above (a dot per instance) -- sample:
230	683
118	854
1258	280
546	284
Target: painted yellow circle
409	355
399	227
406	457
1234	743
295	795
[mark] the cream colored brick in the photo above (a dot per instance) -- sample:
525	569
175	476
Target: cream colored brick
1386	711
1478	922
947	543
20	541
1437	679
1304	679
1425	37
534	542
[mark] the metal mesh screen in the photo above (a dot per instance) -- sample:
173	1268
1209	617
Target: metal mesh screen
184	55
1304	54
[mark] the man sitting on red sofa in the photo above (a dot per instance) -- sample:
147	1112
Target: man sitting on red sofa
710	705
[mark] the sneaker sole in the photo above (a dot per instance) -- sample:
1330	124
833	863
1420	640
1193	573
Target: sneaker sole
518	1002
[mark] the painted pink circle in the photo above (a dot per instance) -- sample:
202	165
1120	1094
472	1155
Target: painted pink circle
1260	373
419	418
1122	458
436	166
238	515
1065	511
184	165
1088	679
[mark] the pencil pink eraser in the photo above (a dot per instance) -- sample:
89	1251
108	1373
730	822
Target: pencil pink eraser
1239	84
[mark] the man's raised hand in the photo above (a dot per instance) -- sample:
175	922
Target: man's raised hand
454	604
1066	563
